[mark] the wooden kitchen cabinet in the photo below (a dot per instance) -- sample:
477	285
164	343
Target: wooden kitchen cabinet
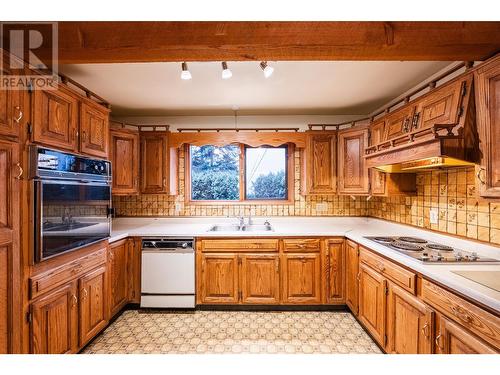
55	118
11	112
398	122
301	278
451	338
94	129
54	322
336	271
487	80
154	162
93	304
9	243
259	279
319	163
118	275
124	156
352	276
352	174
372	302
410	323
218	282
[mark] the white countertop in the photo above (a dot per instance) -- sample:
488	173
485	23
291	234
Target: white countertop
354	228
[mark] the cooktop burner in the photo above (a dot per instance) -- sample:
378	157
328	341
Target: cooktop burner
412	239
429	252
406	246
436	246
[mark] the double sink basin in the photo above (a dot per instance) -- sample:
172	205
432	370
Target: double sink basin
242	228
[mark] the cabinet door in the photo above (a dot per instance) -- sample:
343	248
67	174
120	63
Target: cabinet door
134	270
118	275
352	275
410	323
219	279
10	112
54	324
94	130
398	122
93	313
55	118
336	271
154	163
259	279
352	174
378	182
9	240
320	163
124	155
454	339
487	79
372	302
301	282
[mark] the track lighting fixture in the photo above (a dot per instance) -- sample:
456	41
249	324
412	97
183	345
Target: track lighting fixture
226	72
268	70
185	74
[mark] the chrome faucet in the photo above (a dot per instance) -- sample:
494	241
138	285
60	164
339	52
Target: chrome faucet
242	221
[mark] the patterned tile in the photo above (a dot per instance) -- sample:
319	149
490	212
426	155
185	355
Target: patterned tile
226	332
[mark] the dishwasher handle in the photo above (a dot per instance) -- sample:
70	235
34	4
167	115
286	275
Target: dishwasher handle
169	250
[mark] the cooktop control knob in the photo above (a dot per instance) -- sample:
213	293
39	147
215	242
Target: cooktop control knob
474	256
458	256
439	256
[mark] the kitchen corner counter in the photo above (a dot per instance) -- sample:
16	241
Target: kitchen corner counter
353	228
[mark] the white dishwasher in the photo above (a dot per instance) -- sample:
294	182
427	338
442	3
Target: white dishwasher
168	272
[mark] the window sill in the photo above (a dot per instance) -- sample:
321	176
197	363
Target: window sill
241	203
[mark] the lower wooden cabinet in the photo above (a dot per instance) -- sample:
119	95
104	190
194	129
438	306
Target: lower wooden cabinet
352	276
336	271
410	323
93	309
259	279
118	275
54	321
218	282
372	302
301	278
451	338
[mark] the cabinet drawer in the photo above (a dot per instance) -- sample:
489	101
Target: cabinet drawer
401	276
49	280
301	245
477	320
236	245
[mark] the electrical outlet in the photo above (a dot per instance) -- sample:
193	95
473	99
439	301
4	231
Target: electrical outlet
322	207
178	207
434	216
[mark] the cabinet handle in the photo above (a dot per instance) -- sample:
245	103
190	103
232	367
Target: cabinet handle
406	128
75	299
21	171
84	136
425	329
164	182
20	116
438	337
85	293
414	123
481	180
358	277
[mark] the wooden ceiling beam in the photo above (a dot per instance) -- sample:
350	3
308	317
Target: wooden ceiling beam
120	42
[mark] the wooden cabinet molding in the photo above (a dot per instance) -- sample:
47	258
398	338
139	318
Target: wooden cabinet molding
487	79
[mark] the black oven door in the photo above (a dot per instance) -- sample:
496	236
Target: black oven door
69	215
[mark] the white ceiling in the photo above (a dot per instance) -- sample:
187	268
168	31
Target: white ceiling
296	87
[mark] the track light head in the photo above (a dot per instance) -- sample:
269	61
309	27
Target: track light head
268	70
185	74
226	72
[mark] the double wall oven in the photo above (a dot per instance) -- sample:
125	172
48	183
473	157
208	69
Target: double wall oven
72	201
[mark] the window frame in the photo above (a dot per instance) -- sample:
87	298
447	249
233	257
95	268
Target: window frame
243	200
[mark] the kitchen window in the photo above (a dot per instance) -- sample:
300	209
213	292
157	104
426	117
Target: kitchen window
238	173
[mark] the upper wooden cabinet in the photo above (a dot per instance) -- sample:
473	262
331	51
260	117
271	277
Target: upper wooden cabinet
54	322
11	112
398	122
65	120
353	176
158	164
487	79
124	156
94	130
55	118
319	163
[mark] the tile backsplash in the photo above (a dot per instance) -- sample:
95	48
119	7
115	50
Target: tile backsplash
452	192
166	205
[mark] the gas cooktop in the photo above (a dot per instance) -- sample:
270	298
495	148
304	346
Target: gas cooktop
429	252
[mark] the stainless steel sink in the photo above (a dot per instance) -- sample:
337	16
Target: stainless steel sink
244	228
257	228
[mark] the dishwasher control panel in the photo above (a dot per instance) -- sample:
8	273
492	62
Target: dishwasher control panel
162	243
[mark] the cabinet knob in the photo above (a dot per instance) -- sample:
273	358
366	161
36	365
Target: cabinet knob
75	299
425	330
480	175
21	171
